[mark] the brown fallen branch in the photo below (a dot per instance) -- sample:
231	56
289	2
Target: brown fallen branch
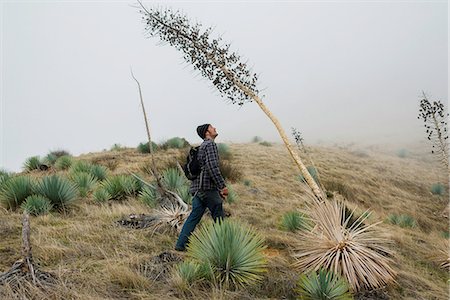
24	270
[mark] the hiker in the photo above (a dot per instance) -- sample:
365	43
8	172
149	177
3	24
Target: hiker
208	189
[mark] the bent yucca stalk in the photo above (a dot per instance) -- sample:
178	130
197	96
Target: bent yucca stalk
214	60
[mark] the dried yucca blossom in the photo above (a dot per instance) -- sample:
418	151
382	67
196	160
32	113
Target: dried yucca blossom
349	248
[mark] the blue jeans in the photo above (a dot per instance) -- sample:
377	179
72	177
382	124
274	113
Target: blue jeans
201	201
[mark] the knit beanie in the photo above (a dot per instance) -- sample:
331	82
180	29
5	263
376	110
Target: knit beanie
201	130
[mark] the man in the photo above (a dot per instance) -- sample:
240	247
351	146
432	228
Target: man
209	189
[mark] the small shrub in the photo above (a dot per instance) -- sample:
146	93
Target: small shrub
229	171
63	163
438	189
313	172
85	182
323	286
32	163
15	190
256	139
148	196
402	153
117	147
224	151
121	186
37	205
60	152
266	144
404	221
293	221
143	147
101	195
99	172
247	182
233	253
173	179
232	195
175	143
60	191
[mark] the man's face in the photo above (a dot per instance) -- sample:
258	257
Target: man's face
212	131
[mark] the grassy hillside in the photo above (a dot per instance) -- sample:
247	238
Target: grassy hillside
94	258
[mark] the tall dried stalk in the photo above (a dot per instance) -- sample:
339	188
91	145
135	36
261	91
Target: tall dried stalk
214	60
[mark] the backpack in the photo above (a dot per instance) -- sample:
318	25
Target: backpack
192	167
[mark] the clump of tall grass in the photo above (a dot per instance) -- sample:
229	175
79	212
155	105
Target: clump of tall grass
323	285
37	205
229	171
119	187
357	253
15	190
293	221
231	251
438	189
32	163
60	191
144	148
117	147
402	220
224	151
175	143
64	162
266	144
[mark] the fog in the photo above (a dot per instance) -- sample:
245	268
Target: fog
337	71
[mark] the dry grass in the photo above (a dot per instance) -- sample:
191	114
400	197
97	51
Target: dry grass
96	259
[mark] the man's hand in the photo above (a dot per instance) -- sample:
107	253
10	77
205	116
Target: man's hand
224	193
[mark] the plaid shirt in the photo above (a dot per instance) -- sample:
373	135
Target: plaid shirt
210	178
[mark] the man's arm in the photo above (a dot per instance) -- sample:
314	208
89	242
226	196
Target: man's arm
212	165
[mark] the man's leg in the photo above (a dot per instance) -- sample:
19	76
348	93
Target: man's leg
198	208
214	203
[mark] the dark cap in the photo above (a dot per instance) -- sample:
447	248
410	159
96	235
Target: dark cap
201	130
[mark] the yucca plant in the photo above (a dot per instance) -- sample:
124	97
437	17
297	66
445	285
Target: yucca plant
15	190
4	175
101	195
438	189
224	151
85	182
63	162
232	195
32	163
186	274
50	159
293	221
311	171
37	205
149	196
173	179
121	186
144	148
323	285
357	253
403	220
233	251
81	166
60	191
99	172
185	194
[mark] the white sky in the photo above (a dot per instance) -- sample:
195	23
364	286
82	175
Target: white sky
337	71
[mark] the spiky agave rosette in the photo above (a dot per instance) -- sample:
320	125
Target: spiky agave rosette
355	251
